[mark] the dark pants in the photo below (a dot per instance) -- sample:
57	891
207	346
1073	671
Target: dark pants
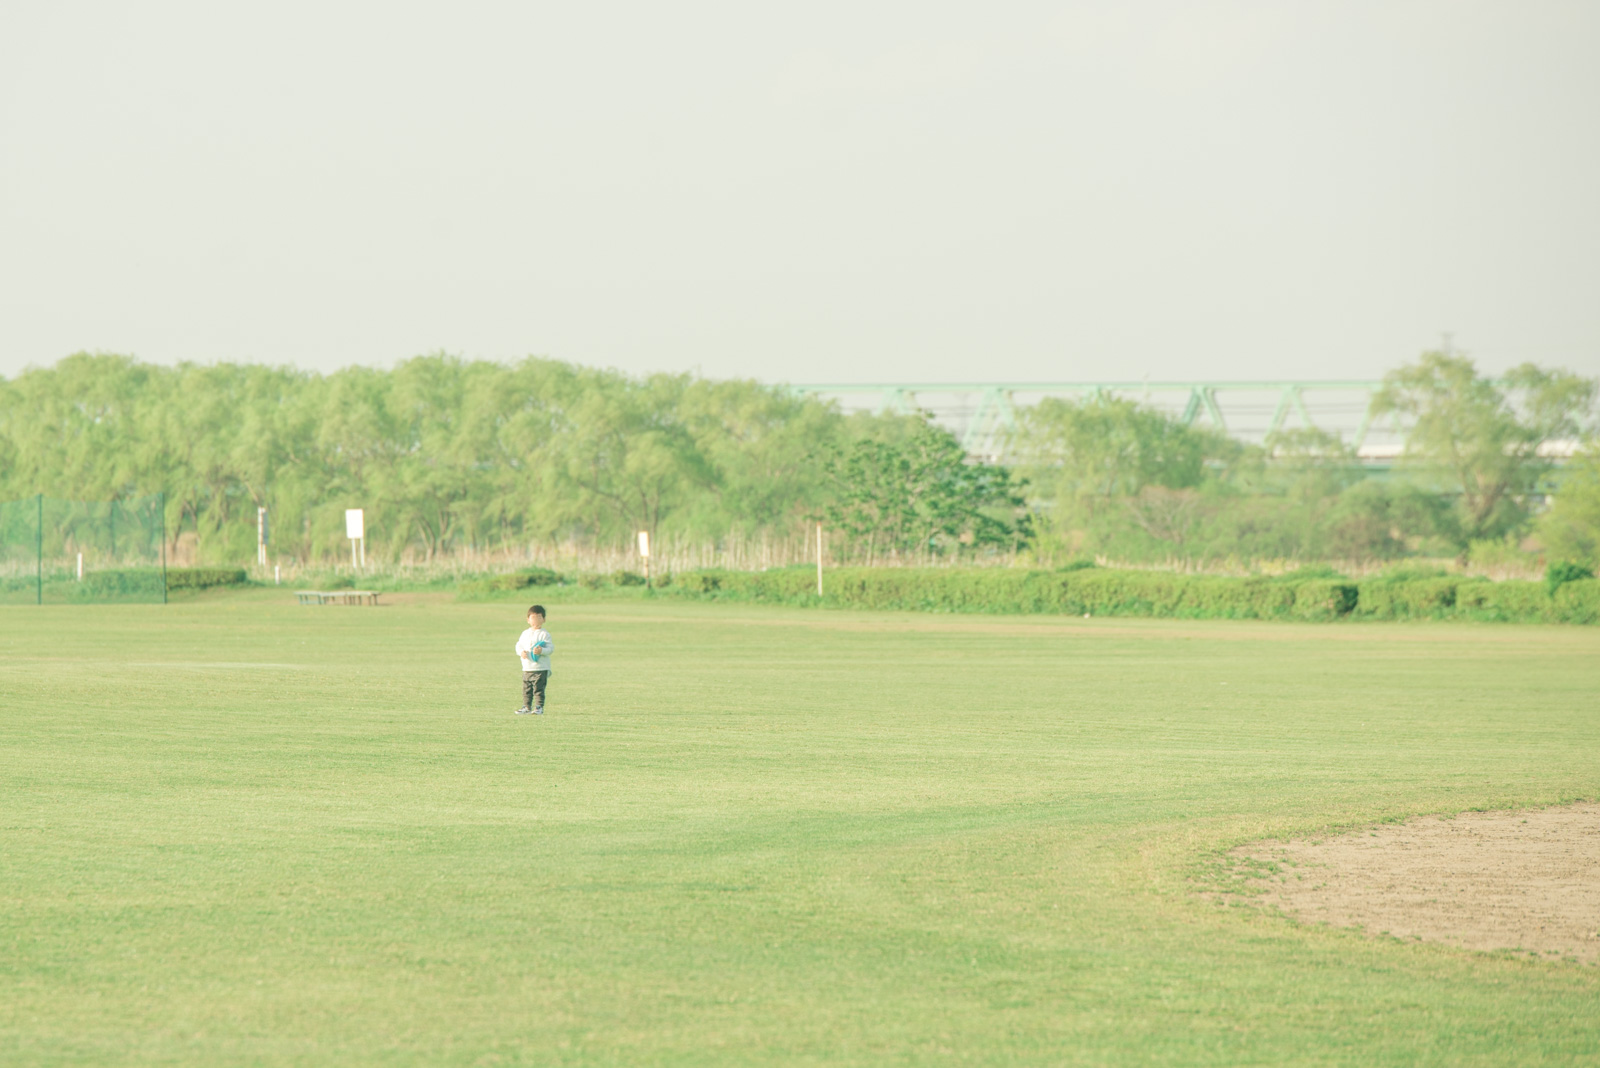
533	683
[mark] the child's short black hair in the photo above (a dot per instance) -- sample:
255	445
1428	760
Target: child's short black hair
538	609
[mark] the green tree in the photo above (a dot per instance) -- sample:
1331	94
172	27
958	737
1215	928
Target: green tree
74	429
1570	530
360	441
918	494
1310	465
1302	473
629	455
1481	436
760	442
439	482
1111	474
1109	447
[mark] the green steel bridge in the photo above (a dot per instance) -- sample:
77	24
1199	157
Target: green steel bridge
982	413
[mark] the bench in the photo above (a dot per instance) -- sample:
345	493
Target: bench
336	596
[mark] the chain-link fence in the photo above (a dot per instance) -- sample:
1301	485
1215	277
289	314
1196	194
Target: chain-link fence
54	551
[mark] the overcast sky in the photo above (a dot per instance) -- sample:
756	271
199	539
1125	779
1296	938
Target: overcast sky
810	193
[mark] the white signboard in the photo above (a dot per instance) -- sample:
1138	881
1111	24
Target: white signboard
355	525
644	544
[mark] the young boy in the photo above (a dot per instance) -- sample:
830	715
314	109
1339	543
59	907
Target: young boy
533	650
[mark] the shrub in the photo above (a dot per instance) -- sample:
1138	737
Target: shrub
1410	573
111	584
1321	599
1105	591
1578	601
1093	590
703	582
200	578
1311	571
1508	601
1405	597
140	582
1499	556
1562	572
1219	597
510	582
521	580
627	578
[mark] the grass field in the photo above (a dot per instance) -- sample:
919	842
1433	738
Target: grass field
236	831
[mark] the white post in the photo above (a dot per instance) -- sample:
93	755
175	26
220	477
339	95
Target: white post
80	567
352	554
644	552
261	537
276	578
363	552
819	560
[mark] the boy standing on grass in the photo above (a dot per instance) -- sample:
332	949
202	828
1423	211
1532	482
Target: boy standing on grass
533	650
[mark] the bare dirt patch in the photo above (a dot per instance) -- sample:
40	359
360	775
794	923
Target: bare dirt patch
1526	881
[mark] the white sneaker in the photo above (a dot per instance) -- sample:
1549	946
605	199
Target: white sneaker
538	711
520	712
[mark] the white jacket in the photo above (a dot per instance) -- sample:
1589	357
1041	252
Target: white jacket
525	649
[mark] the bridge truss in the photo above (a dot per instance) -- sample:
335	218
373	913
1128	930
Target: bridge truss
983	413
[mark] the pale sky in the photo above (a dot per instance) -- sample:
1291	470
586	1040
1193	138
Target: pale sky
806	193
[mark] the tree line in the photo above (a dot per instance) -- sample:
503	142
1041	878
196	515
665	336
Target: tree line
447	455
1115	477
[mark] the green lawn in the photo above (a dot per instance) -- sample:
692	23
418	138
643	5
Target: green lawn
237	831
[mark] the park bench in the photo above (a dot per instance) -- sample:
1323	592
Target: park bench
337	596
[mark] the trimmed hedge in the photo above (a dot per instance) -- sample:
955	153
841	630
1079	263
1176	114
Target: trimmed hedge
1418	598
200	578
128	582
114	585
1505	602
144	580
1578	601
1103	591
1564	571
515	580
1325	598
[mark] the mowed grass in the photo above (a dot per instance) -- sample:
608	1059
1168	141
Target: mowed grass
237	831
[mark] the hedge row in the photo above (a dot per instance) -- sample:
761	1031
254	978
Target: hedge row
1102	591
509	582
492	587
114	585
142	580
200	578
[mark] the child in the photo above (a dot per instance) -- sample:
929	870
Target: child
533	650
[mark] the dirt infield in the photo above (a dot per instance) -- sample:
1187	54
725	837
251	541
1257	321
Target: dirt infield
1525	881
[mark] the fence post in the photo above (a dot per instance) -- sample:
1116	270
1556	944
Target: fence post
38	556
163	506
819	561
